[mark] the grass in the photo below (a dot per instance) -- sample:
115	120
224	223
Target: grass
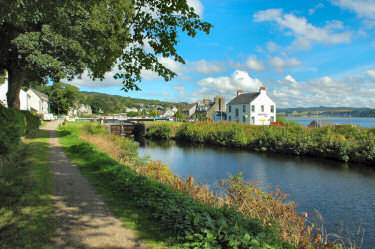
25	187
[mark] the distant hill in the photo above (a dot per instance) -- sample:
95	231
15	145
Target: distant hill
327	111
117	104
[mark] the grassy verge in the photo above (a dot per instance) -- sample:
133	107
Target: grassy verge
160	215
25	188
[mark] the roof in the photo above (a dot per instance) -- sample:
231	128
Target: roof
39	94
320	123
244	98
188	107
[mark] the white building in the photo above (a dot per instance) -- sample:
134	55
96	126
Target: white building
170	112
37	101
4	91
252	108
81	109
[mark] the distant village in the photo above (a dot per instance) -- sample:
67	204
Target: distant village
255	108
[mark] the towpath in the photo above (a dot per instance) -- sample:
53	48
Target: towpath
83	220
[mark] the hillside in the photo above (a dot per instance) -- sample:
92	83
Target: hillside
118	104
327	111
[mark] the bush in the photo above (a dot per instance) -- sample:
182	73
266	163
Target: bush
13	125
91	128
160	131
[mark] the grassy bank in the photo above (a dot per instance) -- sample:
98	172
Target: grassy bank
25	187
158	212
344	143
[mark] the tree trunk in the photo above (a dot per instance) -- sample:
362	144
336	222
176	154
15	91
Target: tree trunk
16	79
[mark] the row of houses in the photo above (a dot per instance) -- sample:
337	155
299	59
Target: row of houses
255	108
35	101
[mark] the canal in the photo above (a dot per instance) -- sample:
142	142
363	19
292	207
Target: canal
338	191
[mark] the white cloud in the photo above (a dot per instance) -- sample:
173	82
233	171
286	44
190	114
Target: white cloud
267	15
86	81
371	74
304	32
327	86
323	91
318	6
180	88
279	63
173	65
253	64
363	8
227	86
205	67
197	5
271	46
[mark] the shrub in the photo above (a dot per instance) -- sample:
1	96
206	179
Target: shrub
160	131
91	128
13	125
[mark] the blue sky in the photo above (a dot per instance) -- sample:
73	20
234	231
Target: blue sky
306	53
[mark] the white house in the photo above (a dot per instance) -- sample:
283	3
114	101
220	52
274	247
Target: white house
252	108
3	95
37	102
170	112
80	110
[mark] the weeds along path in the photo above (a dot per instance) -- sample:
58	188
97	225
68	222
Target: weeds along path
83	220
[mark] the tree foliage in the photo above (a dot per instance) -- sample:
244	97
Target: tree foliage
42	40
61	97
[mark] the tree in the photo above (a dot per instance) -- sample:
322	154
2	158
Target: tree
52	40
154	113
61	96
179	115
132	114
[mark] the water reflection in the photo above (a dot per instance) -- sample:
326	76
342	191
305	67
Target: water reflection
335	189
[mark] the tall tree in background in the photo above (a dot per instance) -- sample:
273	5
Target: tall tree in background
52	40
61	96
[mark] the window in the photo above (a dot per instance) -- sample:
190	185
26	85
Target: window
236	112
244	108
253	108
272	108
243	119
262	108
230	118
272	119
230	108
252	120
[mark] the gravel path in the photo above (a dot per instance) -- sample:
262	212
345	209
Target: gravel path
83	220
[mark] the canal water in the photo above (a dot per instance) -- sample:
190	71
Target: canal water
338	191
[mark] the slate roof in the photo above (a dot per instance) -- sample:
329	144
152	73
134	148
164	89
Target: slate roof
244	98
39	94
320	123
188	107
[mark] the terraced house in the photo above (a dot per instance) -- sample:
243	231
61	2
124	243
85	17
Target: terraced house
252	108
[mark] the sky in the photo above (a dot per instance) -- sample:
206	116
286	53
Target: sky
306	53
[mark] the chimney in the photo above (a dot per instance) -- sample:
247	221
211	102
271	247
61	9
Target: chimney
262	89
239	92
